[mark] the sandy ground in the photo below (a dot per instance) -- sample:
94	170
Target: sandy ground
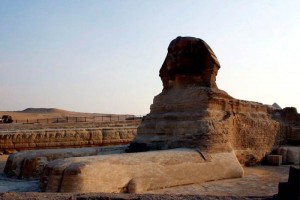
257	181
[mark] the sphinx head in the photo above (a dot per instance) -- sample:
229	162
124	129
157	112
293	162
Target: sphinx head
190	61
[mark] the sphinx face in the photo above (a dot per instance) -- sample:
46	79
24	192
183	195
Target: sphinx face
189	61
185	59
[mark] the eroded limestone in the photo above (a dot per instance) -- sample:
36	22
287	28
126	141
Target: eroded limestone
30	164
192	112
138	172
65	138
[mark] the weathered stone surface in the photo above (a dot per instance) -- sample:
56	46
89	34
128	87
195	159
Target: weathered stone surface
290	154
192	112
189	61
137	172
291	118
30	164
293	155
208	119
65	138
274	160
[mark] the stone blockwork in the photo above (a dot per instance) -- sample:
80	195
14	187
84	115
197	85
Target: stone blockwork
77	125
291	118
290	154
65	138
199	129
192	112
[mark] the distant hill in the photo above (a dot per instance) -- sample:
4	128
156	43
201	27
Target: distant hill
34	114
43	110
276	106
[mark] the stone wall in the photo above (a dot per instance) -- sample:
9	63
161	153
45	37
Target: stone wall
63	138
37	126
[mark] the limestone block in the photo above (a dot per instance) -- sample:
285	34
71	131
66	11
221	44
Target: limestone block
283	152
30	164
60	138
137	172
274	160
293	155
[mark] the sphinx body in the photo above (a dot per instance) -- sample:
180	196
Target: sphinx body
192	112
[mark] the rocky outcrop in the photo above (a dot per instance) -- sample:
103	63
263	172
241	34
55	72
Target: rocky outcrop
65	138
192	112
137	172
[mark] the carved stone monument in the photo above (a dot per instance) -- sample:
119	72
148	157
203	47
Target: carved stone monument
192	112
194	132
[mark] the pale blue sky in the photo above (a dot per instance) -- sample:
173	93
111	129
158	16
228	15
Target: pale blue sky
104	56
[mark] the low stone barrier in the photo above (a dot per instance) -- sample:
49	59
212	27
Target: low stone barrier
65	138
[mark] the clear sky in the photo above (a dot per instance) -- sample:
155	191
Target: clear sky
104	56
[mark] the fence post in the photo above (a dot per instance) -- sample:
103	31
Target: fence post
27	121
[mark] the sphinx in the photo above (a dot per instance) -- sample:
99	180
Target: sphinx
195	132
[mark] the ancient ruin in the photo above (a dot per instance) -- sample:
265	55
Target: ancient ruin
192	112
194	132
54	136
